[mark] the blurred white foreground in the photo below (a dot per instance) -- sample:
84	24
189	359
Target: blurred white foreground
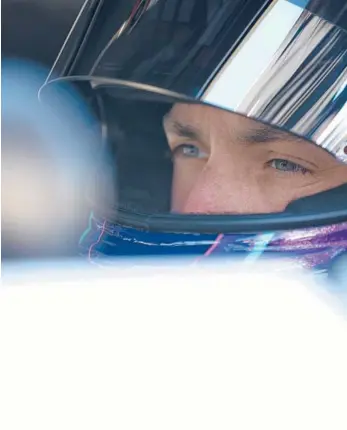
171	349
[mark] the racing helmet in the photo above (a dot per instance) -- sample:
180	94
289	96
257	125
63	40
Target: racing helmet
222	126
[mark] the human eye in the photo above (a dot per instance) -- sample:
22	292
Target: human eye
287	166
188	150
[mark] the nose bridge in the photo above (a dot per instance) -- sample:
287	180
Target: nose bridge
218	183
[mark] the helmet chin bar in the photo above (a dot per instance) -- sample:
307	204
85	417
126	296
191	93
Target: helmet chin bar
335	199
325	208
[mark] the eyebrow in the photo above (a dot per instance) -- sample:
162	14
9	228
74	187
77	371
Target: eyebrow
184	130
259	134
265	134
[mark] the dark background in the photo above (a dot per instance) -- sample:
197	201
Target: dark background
36	29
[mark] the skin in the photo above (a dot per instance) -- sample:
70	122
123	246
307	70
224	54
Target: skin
226	163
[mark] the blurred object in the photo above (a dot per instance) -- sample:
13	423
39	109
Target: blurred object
33	31
46	158
178	349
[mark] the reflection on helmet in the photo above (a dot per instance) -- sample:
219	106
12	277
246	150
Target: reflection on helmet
276	71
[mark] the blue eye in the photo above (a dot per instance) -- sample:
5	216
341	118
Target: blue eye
189	151
287	166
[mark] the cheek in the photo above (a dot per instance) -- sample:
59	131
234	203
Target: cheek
186	174
228	184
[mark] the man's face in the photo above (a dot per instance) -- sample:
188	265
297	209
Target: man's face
226	163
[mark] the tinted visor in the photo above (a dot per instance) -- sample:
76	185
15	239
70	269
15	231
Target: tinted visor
283	62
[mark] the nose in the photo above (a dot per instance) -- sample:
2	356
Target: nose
219	188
